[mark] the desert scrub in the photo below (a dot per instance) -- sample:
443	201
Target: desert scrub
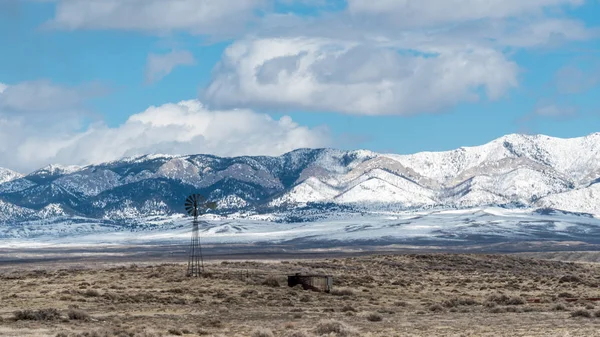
455	302
78	315
330	326
37	315
342	292
91	293
559	307
436	308
506	300
298	333
262	332
497	310
348	308
374	317
271	281
581	313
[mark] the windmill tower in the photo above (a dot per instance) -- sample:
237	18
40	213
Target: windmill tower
195	205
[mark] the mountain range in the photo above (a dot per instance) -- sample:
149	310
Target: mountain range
514	171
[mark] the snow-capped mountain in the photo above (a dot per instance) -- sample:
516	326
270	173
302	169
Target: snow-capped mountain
515	171
7	175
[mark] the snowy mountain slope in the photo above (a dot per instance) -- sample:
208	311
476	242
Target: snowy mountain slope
89	182
378	191
586	200
309	190
16	185
512	171
51	172
456	227
576	158
521	186
7	175
10	212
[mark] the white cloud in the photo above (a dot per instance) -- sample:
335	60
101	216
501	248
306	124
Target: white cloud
161	65
43	96
323	74
156	16
389	56
183	128
434	12
370	57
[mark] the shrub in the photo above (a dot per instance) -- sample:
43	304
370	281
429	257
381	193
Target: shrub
348	308
559	307
436	308
91	293
590	306
505	300
489	304
38	315
271	282
175	332
326	327
597	313
342	292
374	317
77	314
262	332
297	334
454	302
581	313
569	278
513	309
497	310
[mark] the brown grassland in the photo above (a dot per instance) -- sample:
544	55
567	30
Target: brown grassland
376	295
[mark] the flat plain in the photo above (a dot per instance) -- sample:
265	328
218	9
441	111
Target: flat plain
374	295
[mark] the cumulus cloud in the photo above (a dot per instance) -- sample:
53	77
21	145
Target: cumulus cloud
161	65
389	56
366	57
184	128
156	16
324	74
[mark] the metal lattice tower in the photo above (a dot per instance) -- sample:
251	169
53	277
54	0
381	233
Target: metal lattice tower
195	204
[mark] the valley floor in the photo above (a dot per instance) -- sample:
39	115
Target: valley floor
374	295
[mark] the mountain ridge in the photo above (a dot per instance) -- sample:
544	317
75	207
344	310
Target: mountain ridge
512	171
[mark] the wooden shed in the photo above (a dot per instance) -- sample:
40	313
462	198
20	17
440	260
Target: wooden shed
322	283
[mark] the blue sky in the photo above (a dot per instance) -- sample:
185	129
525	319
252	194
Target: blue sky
78	77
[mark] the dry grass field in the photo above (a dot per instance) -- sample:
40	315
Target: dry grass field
377	295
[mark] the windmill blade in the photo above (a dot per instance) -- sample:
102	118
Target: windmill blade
191	205
195	204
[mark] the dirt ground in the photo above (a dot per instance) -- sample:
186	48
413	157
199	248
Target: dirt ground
377	295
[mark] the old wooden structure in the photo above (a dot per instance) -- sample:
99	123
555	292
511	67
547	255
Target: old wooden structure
323	283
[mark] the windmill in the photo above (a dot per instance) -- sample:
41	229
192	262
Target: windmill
195	205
